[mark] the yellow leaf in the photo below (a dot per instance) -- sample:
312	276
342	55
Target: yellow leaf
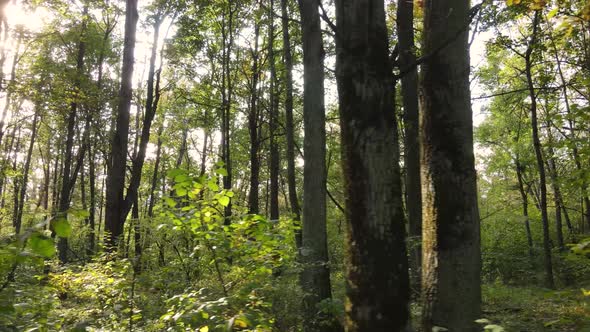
585	292
552	13
204	329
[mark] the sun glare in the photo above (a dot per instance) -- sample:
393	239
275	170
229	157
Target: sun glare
33	21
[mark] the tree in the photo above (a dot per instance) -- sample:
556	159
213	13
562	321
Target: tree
549	282
377	267
407	59
450	236
115	201
315	278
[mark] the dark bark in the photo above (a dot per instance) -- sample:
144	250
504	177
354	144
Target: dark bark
405	31
25	180
227	32
151	107
451	278
115	201
69	173
549	282
315	277
254	129
289	127
273	121
377	266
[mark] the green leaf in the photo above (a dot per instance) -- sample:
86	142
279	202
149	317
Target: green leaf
552	13
181	191
79	213
62	228
170	202
221	171
173	173
223	200
212	186
42	245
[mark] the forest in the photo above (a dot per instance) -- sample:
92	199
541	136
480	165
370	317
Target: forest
281	165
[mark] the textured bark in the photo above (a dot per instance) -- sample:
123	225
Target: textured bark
549	282
377	267
451	278
405	31
273	122
289	127
315	277
254	129
115	201
227	32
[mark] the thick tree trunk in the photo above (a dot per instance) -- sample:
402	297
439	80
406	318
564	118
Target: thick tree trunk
289	127
451	280
377	266
549	282
115	201
405	30
315	277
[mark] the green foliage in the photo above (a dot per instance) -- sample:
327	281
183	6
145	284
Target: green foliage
536	309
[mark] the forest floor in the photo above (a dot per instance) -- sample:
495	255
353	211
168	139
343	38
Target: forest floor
532	309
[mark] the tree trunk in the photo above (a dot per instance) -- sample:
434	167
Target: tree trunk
451	280
227	93
273	119
115	201
69	175
525	206
151	106
549	282
572	137
315	277
405	30
289	127
377	265
254	129
24	184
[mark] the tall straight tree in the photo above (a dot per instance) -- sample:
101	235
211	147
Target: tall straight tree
289	127
115	201
315	278
407	58
69	173
377	267
273	120
549	282
451	264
